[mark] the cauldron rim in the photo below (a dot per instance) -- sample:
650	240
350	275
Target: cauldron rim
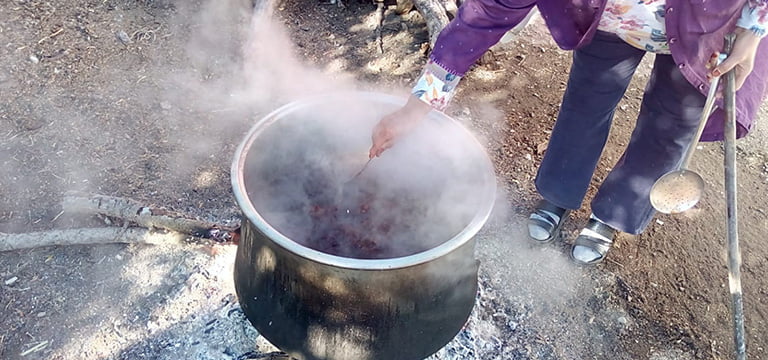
249	211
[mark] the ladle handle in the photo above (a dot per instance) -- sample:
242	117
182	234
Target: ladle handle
362	169
705	113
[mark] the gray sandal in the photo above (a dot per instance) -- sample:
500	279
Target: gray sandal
596	236
548	218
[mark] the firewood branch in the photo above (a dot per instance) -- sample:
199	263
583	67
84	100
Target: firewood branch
88	236
146	216
142	224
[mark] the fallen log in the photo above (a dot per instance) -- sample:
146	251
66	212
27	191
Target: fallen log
151	217
89	236
140	224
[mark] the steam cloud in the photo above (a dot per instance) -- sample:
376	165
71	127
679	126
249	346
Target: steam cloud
234	70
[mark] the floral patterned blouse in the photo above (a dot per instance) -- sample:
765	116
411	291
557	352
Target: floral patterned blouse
640	23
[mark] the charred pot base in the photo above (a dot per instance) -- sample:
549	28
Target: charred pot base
312	311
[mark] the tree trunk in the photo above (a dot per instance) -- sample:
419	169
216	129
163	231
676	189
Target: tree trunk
435	15
451	8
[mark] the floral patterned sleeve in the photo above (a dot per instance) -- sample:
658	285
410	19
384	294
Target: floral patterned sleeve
754	17
436	86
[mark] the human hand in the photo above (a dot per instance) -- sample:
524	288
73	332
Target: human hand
392	126
741	59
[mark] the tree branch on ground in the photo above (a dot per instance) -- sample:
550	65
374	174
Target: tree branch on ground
89	236
150	217
141	224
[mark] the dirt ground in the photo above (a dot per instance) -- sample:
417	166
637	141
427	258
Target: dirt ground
148	99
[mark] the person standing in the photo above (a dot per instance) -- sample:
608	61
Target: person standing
609	39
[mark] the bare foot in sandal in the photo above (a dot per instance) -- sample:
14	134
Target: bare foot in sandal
545	222
593	242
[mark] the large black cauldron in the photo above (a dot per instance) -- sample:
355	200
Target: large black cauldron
315	305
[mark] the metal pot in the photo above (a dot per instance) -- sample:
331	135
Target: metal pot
315	305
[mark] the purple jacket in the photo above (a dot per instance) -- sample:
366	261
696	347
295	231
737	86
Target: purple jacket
695	30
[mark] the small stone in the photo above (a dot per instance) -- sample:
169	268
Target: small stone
542	147
622	320
34	59
165	105
123	37
41	314
32	123
528	157
118	257
11	281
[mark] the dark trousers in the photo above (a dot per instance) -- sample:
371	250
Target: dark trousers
668	118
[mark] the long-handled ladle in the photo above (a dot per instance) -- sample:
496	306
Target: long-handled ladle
349	189
681	189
